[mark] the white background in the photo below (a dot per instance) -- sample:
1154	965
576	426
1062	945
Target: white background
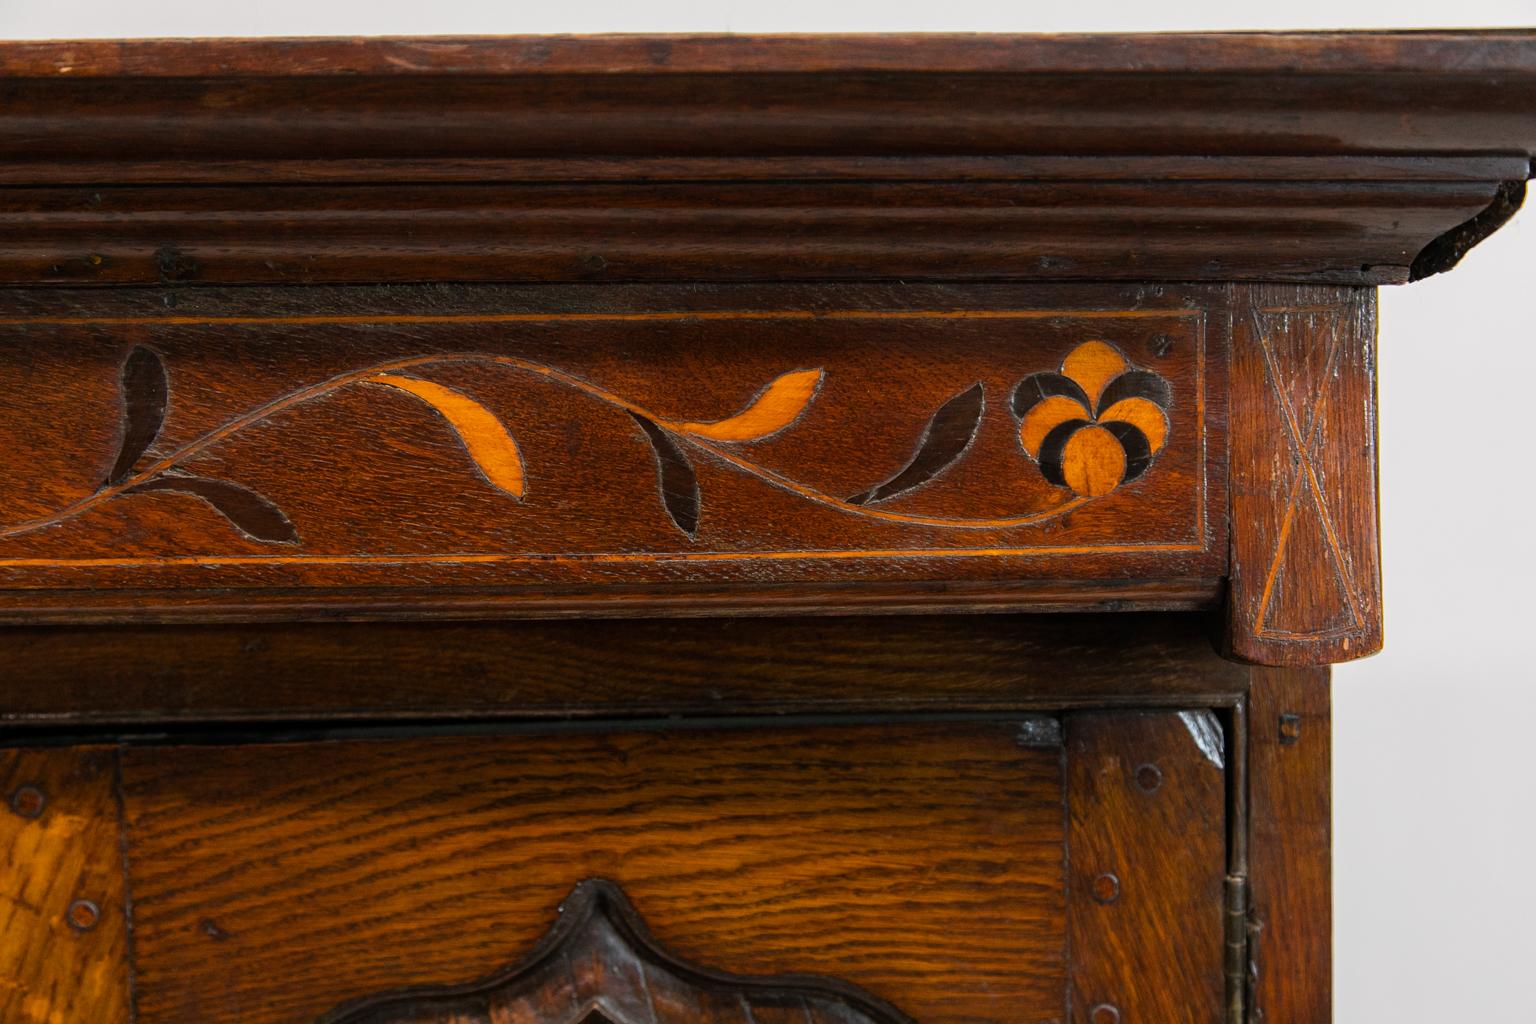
1435	847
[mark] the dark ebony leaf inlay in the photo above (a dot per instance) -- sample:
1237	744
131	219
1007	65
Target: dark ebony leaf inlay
944	440
250	513
1138	451
675	478
1136	384
1037	387
145	389
1053	448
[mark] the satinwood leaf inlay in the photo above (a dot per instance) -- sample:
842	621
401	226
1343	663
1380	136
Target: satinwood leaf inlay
490	447
776	407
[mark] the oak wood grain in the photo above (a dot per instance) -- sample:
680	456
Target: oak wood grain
1366	232
132	606
599	962
699	329
1290	829
64	945
1146	837
922	863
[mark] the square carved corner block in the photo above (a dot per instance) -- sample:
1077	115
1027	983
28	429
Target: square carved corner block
555	530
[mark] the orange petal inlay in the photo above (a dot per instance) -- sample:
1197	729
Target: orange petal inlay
776	407
1094	364
1093	462
1045	416
489	445
1143	415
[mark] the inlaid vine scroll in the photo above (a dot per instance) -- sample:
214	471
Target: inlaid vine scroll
1090	428
599	964
958	442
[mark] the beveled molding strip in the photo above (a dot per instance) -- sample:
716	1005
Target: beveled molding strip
732	226
599	964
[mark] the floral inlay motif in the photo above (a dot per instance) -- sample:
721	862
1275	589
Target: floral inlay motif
1095	425
1092	427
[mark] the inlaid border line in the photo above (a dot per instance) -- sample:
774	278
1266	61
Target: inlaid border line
598	557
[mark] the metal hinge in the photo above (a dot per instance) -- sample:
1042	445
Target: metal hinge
1238	961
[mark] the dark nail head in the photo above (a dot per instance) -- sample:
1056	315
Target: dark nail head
28	801
83	915
1149	777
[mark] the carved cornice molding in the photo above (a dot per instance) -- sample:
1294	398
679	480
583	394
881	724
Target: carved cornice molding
1337	158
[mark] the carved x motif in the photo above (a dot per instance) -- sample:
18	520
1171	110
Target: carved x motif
1304	436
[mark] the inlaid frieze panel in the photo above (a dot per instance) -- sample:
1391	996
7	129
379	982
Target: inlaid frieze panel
586	439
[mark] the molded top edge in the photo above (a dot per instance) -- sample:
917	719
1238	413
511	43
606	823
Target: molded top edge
1449	52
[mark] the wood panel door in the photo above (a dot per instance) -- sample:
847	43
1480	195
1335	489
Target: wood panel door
1007	869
